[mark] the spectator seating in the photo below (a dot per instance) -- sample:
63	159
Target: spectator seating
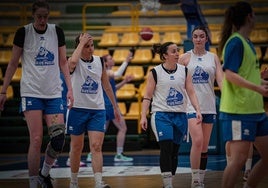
129	39
127	92
136	71
109	40
172	37
120	55
142	56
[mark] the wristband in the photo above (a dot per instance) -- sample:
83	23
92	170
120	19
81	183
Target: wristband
146	99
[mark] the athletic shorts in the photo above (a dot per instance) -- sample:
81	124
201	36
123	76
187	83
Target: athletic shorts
169	126
79	121
48	106
206	118
109	112
243	127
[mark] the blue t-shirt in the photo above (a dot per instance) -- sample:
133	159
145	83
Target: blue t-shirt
234	54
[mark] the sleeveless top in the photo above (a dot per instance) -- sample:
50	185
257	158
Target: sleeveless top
40	64
170	94
87	86
203	71
239	100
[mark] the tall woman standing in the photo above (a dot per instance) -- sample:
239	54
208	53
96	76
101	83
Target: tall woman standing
242	109
41	47
204	68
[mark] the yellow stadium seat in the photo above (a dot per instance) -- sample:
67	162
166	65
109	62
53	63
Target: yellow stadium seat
213	50
17	76
265	57
264	66
142	88
215	37
134	113
1	40
10	92
122	107
259	36
128	91
148	70
136	71
134	110
258	52
5	56
130	39
101	52
9	40
142	56
156	59
172	37
120	55
156	39
109	40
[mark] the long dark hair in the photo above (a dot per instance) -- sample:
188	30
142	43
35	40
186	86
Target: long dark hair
234	18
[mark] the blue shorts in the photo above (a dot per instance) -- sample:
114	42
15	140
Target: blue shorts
243	127
48	106
80	121
109	112
207	118
169	126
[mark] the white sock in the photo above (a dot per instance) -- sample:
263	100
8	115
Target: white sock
33	181
195	175
248	164
119	150
98	178
46	169
202	175
167	179
74	178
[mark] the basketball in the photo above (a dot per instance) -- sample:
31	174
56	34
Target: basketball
146	33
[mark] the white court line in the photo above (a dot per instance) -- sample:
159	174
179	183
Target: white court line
108	171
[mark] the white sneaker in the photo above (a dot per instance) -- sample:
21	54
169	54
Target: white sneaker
69	164
122	158
89	157
197	185
246	174
74	185
103	185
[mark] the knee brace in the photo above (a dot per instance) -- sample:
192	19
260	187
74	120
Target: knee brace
57	139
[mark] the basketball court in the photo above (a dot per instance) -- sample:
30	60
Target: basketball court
143	172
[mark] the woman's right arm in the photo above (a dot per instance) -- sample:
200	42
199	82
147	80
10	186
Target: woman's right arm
150	87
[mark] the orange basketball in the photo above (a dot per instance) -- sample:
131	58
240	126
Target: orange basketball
146	33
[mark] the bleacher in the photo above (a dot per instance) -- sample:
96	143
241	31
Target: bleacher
115	28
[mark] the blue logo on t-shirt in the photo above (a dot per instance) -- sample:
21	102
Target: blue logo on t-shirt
90	86
174	97
200	76
44	57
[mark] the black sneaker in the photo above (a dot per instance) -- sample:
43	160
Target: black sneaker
45	182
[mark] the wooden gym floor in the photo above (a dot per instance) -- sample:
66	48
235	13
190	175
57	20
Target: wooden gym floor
14	163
